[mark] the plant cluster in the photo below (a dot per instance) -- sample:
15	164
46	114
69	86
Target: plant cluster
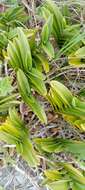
30	58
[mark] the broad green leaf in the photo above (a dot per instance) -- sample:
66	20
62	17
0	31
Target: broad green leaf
52	175
23	84
78	103
49	50
26	150
77	57
25	50
5	106
37	64
15	54
50	145
62	92
73	60
76	112
75	147
12	56
19	52
74	173
36	78
16	120
8	101
63	102
59	22
7	98
46	30
80	52
24	89
44	12
34	72
77	186
5	86
59	185
37	108
16	44
43	61
13	16
13	131
72	45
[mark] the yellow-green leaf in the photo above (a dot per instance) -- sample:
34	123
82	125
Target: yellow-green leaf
46	30
59	185
52	174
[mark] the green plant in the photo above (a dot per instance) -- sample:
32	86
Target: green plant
66	104
13	131
12	17
7	96
29	54
5	86
50	145
78	57
59	22
20	58
9	20
69	37
68	177
8	101
45	37
25	91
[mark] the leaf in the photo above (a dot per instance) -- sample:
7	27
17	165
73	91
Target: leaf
19	52
44	12
59	23
46	30
7	102
5	86
50	145
77	186
13	131
29	154
49	50
75	147
52	175
14	56
72	60
38	109
16	120
36	78
13	16
43	61
77	58
80	53
3	39
25	50
59	185
76	112
63	102
78	103
24	89
23	84
71	45
74	173
60	90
